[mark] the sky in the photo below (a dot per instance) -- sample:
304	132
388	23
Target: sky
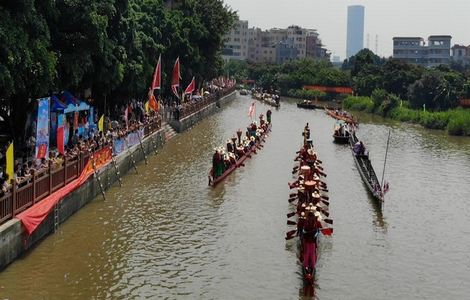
383	19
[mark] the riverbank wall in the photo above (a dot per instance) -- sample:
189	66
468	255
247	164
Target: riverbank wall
14	241
189	121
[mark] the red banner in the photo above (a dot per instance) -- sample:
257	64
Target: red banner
35	215
330	89
60	140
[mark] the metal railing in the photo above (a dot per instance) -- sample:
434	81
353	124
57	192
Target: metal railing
42	183
192	108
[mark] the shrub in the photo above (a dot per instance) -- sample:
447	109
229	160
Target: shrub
359	103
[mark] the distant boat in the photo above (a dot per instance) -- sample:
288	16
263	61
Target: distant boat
307	104
338	137
343	116
243	92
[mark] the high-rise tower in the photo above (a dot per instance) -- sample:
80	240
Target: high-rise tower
355	38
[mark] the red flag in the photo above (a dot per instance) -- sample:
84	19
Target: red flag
175	79
157	75
191	87
251	110
60	140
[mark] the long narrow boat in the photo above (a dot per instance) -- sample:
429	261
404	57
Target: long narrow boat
308	105
367	172
341	139
268	100
311	203
239	162
347	119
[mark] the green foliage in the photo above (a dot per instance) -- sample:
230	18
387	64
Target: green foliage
455	121
108	46
361	61
359	103
436	89
305	94
459	123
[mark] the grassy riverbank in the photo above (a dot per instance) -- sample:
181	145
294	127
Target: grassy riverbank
454	121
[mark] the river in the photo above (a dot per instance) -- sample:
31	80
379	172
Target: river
165	234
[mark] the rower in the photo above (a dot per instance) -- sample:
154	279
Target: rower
268	116
359	148
309	235
229	146
217	163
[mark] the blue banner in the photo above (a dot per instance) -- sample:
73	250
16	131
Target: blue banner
133	139
42	132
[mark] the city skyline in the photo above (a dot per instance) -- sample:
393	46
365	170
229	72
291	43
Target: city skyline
383	19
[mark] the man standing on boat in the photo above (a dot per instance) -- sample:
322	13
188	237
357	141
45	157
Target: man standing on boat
217	164
268	116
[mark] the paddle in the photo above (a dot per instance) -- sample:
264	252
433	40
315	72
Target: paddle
292	232
327	231
289	222
290	237
289	215
325	197
329	221
292	194
326	202
323	211
292	200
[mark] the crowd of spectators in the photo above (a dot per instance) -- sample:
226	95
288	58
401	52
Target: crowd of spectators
123	120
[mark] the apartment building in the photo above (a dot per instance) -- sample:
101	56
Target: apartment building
275	45
416	51
236	42
461	54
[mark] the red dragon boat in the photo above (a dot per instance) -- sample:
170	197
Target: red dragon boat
240	161
311	208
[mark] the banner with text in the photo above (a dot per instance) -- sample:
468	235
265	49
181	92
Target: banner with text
42	130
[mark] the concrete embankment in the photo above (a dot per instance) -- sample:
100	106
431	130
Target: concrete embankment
14	240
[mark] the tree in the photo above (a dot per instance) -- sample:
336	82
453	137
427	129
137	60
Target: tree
434	91
361	60
27	65
398	76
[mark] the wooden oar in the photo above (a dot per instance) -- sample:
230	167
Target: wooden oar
327	231
329	221
291	232
289	215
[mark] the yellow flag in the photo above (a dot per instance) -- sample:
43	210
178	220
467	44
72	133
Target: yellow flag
101	123
147	107
10	162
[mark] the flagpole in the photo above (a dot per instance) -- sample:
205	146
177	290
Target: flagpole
385	160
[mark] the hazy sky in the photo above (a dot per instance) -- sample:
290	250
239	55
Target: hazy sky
385	18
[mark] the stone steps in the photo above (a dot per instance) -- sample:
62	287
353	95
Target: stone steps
169	132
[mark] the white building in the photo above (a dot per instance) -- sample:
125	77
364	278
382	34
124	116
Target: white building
256	45
236	42
414	50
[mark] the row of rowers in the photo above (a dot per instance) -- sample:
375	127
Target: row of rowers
224	158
